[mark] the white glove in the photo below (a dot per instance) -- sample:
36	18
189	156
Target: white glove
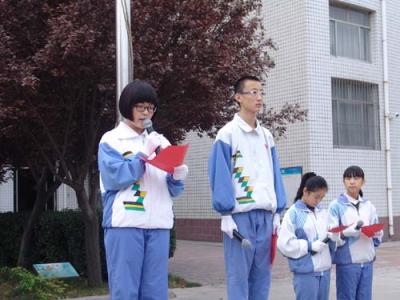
228	225
351	231
334	237
378	234
276	223
152	142
318	246
180	172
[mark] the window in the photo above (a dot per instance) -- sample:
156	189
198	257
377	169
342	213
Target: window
350	33
355	114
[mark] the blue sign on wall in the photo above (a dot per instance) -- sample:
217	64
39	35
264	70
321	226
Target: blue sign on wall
291	179
56	270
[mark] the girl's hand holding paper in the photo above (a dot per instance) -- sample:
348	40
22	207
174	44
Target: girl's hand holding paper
169	158
152	142
180	172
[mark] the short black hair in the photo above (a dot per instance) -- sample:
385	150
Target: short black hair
312	182
137	91
238	86
353	171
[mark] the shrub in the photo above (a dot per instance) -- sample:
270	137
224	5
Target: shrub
57	237
18	283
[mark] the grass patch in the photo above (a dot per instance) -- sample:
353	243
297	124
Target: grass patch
178	282
78	287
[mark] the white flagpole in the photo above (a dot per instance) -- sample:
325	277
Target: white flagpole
123	46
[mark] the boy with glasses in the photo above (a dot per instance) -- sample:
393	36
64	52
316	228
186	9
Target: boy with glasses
248	192
137	204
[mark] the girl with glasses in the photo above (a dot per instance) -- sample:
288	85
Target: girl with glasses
137	204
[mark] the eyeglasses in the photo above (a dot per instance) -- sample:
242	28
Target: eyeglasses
141	108
253	93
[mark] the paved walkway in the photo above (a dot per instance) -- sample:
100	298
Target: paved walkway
203	262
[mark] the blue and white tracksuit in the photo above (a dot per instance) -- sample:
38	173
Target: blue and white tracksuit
246	182
137	216
354	260
311	273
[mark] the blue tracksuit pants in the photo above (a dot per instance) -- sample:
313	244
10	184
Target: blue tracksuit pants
354	281
137	263
312	286
248	270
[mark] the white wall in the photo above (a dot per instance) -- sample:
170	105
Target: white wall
7	195
289	80
195	202
303	72
65	198
393	34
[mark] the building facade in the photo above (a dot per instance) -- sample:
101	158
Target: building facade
330	59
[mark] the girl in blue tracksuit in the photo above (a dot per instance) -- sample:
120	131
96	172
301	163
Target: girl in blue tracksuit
137	205
304	227
354	259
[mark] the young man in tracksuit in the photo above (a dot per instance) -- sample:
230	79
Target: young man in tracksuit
248	192
137	204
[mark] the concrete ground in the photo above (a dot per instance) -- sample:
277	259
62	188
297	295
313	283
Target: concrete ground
203	262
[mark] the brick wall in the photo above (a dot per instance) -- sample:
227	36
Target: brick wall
198	229
210	229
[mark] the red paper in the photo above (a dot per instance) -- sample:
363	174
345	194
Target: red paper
169	158
274	240
370	230
338	229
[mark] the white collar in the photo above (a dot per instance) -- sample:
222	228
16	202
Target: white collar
352	200
246	127
125	132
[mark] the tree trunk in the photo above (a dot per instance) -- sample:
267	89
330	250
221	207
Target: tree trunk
26	239
92	244
42	196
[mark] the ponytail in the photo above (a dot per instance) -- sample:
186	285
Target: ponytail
304	179
312	182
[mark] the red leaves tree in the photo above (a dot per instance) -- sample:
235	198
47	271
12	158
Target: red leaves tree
57	95
193	51
57	79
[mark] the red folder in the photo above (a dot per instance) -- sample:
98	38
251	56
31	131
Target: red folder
338	229
370	230
274	240
169	158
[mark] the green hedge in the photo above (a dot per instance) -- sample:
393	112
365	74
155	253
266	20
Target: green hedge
57	237
11	228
